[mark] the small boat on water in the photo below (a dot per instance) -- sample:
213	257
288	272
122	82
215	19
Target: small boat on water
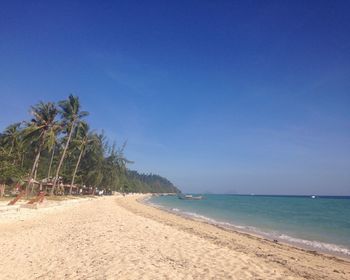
189	197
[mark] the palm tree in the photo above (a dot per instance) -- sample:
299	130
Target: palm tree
92	161
42	131
70	111
21	150
83	139
12	142
51	160
114	167
10	137
122	161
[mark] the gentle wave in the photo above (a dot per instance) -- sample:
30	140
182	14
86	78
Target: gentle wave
316	245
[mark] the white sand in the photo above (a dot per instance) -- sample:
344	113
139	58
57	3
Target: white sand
119	238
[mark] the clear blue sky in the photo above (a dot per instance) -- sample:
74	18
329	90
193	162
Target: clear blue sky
220	96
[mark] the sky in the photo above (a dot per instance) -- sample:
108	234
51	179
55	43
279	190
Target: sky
218	96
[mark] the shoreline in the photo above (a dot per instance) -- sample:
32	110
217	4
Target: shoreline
237	229
116	237
282	252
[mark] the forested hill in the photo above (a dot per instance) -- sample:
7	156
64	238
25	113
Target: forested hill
145	183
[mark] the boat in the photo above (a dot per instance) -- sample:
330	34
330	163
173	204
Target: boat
190	197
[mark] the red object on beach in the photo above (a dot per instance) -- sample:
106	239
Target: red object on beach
42	196
39	198
13	201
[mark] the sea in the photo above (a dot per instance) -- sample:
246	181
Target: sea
320	223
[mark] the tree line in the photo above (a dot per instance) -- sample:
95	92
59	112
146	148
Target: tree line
58	145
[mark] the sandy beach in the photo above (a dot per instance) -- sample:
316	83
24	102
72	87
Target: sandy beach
120	238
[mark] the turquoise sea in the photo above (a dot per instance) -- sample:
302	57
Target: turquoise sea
321	223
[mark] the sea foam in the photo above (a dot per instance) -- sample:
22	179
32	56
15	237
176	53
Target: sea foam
285	219
309	244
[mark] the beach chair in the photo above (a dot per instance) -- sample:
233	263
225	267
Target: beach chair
41	197
18	197
38	199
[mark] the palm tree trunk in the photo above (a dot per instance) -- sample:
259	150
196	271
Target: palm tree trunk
22	160
12	145
52	155
76	169
36	169
61	160
35	164
35	173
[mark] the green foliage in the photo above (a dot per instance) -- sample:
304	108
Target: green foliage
9	171
71	109
57	140
147	183
11	137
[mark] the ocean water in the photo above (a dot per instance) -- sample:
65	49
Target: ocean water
321	224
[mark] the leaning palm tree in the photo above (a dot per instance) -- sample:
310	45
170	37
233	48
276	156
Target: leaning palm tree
83	139
92	163
72	115
53	148
41	131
